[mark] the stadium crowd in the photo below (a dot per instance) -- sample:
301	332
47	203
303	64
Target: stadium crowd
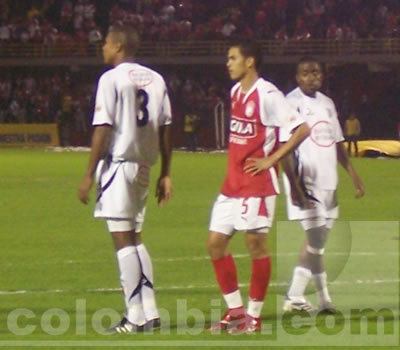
51	22
66	98
49	95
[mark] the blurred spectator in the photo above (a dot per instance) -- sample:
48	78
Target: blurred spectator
191	128
95	39
352	131
228	29
14	109
79	117
5	33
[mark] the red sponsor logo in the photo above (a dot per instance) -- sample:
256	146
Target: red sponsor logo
322	134
140	78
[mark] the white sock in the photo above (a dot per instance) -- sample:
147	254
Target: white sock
233	300
254	308
147	292
321	284
301	277
130	276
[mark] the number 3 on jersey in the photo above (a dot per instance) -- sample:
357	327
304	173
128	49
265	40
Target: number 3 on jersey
142	99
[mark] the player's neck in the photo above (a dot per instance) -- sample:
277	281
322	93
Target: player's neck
309	94
120	60
248	81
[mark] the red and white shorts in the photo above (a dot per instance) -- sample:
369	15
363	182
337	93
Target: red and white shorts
254	214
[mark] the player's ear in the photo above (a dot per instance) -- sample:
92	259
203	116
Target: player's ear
251	62
297	78
119	47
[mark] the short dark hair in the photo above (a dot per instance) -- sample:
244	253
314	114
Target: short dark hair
308	59
128	36
249	48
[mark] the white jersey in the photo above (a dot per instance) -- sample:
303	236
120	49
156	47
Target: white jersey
316	156
133	99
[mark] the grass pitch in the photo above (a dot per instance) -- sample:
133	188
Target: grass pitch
59	286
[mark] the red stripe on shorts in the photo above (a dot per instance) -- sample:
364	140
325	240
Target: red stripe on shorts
262	210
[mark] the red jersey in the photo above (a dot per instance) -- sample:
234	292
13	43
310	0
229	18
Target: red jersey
254	126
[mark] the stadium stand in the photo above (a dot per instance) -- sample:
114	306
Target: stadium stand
195	30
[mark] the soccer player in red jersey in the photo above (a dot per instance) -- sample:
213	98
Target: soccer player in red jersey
247	199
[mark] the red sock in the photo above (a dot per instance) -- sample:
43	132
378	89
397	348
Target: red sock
260	274
225	272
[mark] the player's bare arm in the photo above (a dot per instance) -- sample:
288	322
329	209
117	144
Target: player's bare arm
256	165
345	162
164	183
297	193
100	140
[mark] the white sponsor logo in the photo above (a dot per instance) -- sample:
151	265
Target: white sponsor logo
237	140
250	108
243	129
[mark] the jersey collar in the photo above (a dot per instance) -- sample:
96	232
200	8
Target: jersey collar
251	89
308	97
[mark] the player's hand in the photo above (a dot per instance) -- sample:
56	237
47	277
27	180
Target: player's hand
360	189
84	189
163	190
256	165
301	201
299	198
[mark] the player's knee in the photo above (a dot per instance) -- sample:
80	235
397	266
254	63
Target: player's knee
217	244
123	239
256	245
137	237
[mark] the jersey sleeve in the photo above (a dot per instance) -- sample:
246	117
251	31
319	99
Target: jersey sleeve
166	113
279	113
338	129
106	100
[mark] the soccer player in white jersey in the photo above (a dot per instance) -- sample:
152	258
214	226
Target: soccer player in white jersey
131	126
247	199
310	182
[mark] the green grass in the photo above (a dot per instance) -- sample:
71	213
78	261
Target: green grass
52	248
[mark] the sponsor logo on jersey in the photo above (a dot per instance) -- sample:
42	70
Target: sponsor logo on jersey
322	134
250	108
140	77
98	108
237	140
309	112
243	129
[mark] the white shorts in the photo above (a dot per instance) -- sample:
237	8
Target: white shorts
323	214
124	225
122	194
229	215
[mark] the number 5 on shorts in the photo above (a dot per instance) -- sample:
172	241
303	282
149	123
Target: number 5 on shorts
245	207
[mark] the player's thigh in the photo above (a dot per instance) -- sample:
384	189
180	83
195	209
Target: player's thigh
317	237
122	198
222	216
323	214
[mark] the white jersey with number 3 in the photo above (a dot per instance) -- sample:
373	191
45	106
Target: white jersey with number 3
133	99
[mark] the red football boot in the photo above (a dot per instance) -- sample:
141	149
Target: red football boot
230	319
248	325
